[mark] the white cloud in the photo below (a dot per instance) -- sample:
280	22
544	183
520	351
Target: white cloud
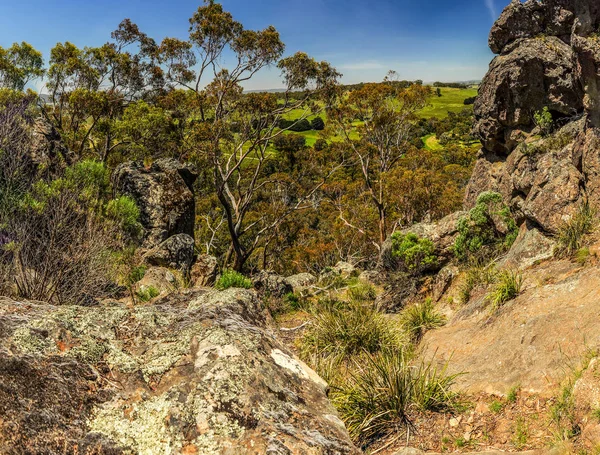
362	66
489	4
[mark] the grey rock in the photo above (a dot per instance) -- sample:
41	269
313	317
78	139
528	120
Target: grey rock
204	272
177	252
164	195
271	284
199	370
301	281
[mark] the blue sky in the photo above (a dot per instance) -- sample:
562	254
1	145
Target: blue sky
420	39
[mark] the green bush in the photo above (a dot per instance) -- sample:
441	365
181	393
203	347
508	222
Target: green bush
317	124
571	233
232	279
125	212
477	232
543	119
384	391
507	287
416	254
419	318
147	293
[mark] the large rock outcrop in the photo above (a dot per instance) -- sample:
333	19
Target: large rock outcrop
164	195
548	56
198	373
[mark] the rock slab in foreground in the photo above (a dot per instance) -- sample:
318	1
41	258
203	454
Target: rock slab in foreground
198	373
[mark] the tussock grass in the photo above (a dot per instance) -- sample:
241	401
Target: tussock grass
507	287
571	233
348	331
232	279
478	274
417	319
362	292
384	390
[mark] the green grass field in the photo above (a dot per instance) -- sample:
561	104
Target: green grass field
452	100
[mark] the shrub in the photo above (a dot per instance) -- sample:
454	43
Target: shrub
478	232
416	254
317	124
419	318
63	242
125	212
571	233
320	144
297	126
507	287
147	293
543	119
386	389
347	331
232	279
470	100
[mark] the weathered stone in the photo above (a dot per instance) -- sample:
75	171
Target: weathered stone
164	195
529	248
344	269
205	270
537	73
443	280
271	284
198	372
161	279
301	281
177	252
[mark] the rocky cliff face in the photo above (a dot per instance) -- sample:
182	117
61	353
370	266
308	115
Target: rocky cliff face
548	56
197	373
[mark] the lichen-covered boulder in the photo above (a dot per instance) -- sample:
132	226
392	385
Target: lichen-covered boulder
271	284
301	281
205	270
198	372
164	195
177	252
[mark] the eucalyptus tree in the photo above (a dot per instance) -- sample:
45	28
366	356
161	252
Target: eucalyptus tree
236	129
19	65
386	116
89	88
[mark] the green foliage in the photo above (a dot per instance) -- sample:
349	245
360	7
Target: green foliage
521	435
125	212
386	388
317	124
417	319
19	64
513	394
543	119
496	407
571	233
343	332
478	232
136	274
507	287
232	279
416	254
147	293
